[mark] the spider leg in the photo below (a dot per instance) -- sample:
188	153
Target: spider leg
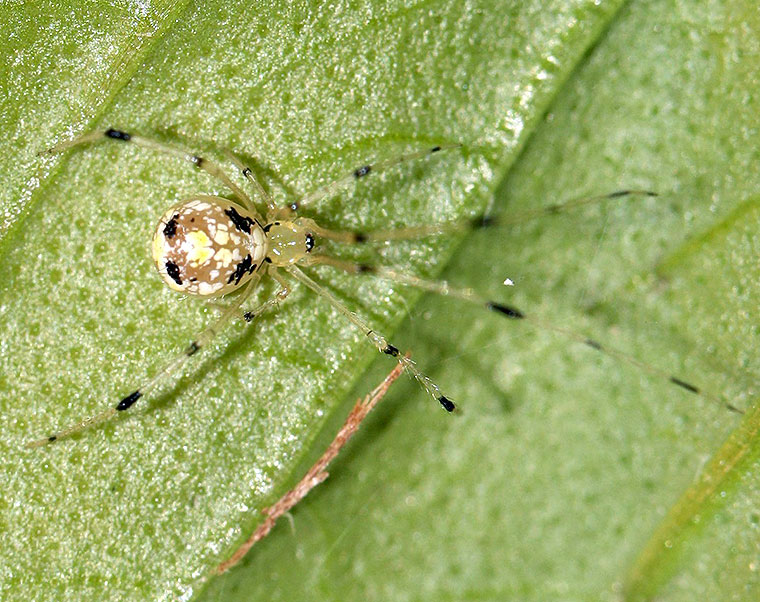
443	288
482	221
272	209
174	365
377	339
207	165
363	171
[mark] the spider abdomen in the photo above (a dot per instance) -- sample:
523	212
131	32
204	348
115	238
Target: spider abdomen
208	246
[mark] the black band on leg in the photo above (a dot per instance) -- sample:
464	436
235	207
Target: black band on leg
447	404
128	401
118	135
510	312
391	350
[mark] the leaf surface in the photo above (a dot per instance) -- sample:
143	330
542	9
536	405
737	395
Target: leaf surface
562	464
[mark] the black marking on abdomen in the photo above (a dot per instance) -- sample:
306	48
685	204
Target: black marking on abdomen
52	438
510	312
684	385
118	135
172	269
435	149
192	348
128	401
447	404
362	171
309	242
170	229
241	223
241	268
248	316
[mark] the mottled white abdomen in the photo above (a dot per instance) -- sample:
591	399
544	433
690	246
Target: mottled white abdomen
208	246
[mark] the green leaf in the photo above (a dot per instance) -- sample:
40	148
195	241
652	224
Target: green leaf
563	463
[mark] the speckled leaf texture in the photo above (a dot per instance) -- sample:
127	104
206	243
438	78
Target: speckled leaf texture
568	475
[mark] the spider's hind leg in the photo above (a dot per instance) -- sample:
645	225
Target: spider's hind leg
174	365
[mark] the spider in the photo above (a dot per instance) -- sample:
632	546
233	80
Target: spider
208	246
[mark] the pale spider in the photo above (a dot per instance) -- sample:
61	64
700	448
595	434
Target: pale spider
209	246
